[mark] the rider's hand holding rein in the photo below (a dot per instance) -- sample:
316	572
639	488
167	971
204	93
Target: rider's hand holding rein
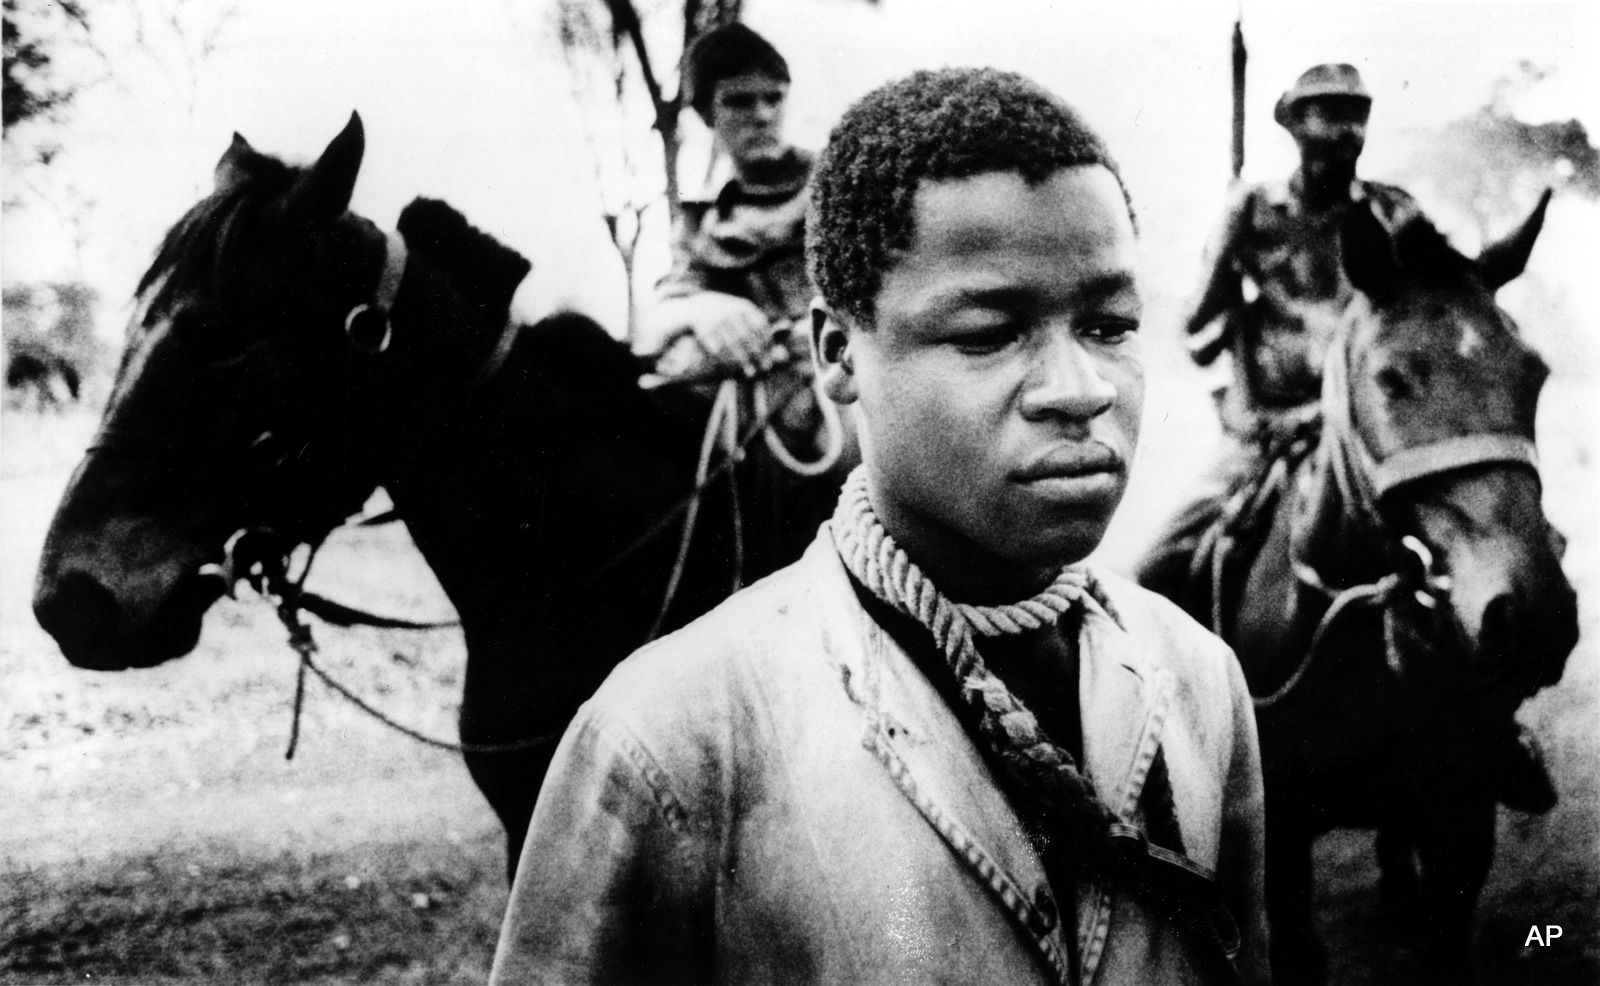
733	334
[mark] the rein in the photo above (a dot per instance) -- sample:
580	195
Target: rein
268	575
369	329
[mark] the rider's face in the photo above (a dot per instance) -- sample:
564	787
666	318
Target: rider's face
1330	130
747	117
999	384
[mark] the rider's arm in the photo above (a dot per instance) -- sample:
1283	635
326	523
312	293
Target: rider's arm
729	329
1204	329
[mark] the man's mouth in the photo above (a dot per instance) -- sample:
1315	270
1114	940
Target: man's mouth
1071	462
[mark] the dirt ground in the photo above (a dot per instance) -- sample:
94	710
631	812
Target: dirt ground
151	830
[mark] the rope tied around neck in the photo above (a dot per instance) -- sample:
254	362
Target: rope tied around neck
1110	846
1042	767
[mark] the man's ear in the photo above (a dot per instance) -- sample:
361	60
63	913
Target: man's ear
832	336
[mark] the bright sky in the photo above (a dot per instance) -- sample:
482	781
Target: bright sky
472	102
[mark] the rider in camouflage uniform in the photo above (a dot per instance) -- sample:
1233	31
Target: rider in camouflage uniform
1273	295
1275	287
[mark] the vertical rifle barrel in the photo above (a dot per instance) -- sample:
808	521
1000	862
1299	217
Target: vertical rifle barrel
1239	58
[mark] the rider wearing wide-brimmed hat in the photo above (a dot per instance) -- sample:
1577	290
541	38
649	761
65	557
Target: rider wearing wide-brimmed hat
1274	285
1273	295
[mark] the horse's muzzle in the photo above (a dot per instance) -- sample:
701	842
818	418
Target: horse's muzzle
95	632
1524	640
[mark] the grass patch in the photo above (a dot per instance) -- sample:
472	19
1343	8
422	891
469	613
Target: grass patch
409	913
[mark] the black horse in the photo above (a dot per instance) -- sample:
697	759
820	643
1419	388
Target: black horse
287	357
1404	593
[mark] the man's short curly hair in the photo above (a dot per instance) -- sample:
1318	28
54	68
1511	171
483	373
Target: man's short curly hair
952	123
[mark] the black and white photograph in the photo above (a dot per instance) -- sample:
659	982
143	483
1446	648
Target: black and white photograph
800	492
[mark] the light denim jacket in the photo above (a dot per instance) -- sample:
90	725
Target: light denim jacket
775	794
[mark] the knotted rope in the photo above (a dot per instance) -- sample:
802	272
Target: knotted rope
1044	770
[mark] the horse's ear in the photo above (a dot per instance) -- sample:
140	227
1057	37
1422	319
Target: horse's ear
1502	261
324	193
1368	254
232	168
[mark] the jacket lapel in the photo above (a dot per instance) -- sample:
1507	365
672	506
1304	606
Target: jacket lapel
934	763
1124	698
928	756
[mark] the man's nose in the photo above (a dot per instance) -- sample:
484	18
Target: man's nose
1067	381
1350	128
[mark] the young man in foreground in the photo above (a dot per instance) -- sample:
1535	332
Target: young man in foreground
930	751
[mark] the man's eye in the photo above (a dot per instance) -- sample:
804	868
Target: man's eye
989	339
739	102
1112	329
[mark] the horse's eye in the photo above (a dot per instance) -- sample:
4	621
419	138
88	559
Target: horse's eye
1393	384
209	338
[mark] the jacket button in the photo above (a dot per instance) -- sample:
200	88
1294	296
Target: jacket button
1045	914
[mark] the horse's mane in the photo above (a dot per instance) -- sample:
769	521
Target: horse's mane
194	252
487	270
578	344
570	349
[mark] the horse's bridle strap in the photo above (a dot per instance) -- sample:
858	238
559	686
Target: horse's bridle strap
1433	458
394	268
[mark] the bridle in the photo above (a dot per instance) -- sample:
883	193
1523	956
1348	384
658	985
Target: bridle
367	325
368	328
1363	479
260	557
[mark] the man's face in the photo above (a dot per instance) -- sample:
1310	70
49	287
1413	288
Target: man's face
747	117
1330	130
1001	383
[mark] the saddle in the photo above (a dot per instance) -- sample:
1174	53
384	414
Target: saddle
1212	543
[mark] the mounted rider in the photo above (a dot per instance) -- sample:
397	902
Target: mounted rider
738	285
1275	288
1273	295
738	249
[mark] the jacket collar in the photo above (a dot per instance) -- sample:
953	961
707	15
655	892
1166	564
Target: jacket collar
775	181
1122	698
1286	193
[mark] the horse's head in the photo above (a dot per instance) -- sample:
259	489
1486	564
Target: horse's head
1441	394
246	397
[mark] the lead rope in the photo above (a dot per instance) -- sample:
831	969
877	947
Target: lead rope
1035	762
831	423
722	428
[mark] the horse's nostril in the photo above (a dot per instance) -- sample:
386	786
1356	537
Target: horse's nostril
1528	641
80	614
1499	621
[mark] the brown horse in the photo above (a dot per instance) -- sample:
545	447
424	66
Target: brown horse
1407	594
287	357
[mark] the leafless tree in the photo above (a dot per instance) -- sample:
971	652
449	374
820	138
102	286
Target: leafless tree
624	63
